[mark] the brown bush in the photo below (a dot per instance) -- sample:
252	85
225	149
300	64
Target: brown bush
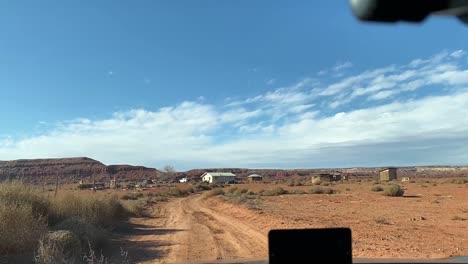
58	247
88	234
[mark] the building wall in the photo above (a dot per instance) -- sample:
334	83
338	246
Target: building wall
218	179
388	175
253	179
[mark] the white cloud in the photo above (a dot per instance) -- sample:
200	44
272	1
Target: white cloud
342	66
311	123
457	54
271	81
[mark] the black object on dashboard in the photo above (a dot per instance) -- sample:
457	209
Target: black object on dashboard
329	245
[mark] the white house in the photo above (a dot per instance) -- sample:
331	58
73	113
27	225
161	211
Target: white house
183	180
218	177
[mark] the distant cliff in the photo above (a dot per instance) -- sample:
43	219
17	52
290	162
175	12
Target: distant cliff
70	170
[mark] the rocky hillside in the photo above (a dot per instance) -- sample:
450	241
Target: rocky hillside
70	170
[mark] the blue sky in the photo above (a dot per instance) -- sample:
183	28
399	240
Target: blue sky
229	83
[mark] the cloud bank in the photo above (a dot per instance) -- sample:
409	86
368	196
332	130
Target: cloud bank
410	114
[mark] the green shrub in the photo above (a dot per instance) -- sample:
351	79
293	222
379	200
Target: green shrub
393	190
377	188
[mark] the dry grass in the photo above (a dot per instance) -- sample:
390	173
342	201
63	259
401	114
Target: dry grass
59	247
22	217
100	210
26	214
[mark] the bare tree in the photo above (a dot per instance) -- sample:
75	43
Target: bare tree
169	169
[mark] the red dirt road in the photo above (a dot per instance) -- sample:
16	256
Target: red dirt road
420	225
187	229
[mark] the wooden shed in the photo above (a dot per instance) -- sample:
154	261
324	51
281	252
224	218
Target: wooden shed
255	177
388	174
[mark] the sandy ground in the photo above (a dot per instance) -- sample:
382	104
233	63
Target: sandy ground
188	229
419	225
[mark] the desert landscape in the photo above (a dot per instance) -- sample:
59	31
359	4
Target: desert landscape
166	221
427	222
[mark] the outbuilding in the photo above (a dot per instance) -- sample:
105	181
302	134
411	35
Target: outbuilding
254	177
218	177
388	174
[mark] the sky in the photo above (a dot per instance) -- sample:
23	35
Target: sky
259	84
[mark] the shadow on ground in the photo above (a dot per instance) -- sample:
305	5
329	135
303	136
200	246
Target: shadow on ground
145	250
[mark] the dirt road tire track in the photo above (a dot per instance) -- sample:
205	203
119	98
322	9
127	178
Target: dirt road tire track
200	233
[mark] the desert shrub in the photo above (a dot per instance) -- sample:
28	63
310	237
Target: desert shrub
58	247
297	192
412	181
156	199
20	227
177	192
99	210
325	184
393	190
276	191
215	192
290	183
250	193
203	186
319	190
85	186
381	221
377	188
458	218
133	196
137	208
232	190
459	181
88	234
250	201
15	193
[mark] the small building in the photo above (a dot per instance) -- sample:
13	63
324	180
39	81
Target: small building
388	174
405	179
255	177
316	180
183	180
218	177
329	177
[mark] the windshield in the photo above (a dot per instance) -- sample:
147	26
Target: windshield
176	131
